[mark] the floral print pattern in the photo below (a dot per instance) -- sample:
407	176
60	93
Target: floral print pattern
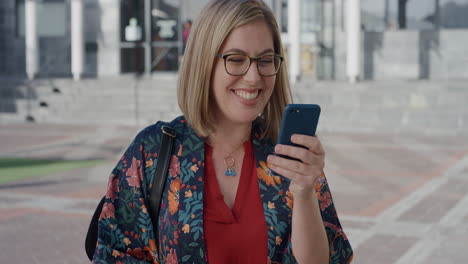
126	234
174	192
266	175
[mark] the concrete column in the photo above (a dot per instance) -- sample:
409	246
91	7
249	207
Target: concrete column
31	37
294	33
77	39
109	38
149	39
353	29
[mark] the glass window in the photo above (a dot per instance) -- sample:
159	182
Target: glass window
132	60
2	16
420	14
2	65
132	20
164	20
310	16
373	15
161	50
453	13
52	18
380	15
166	35
20	17
165	59
284	16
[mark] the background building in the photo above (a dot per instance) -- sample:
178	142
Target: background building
400	39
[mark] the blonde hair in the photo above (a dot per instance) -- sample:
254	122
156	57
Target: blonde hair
217	20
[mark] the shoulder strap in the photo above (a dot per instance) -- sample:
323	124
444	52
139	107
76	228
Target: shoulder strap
154	198
160	175
91	235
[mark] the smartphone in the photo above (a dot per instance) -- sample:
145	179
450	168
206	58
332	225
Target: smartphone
298	119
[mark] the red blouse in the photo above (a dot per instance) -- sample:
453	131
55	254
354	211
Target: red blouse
238	235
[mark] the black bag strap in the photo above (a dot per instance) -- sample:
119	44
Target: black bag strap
91	236
154	197
160	175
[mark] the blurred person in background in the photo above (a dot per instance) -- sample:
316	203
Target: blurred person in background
227	198
186	33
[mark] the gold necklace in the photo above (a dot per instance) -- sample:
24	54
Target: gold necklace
229	162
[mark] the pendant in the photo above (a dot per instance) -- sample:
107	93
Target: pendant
229	162
230	172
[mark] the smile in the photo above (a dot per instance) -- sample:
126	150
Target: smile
246	95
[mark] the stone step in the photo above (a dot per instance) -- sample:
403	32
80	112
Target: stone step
329	116
341	95
18	106
391	106
454	101
12	118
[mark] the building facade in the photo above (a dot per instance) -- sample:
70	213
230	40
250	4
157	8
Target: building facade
412	39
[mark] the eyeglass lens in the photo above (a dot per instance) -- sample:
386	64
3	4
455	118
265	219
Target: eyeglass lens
238	64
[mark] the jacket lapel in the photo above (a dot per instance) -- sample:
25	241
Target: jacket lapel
275	199
191	156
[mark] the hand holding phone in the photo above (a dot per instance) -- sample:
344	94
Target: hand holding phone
307	165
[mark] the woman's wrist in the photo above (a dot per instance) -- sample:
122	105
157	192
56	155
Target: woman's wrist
304	195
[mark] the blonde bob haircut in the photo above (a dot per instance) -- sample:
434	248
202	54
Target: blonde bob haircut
216	21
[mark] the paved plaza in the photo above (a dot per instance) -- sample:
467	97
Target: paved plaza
402	199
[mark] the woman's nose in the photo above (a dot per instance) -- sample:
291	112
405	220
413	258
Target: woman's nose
252	75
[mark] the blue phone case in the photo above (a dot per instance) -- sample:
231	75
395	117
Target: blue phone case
298	119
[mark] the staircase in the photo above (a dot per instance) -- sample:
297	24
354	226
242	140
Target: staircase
419	107
116	100
416	107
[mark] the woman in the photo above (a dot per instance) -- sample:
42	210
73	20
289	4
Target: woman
223	203
186	33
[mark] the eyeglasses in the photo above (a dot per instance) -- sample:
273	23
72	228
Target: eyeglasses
239	64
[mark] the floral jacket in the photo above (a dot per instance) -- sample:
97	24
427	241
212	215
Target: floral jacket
126	233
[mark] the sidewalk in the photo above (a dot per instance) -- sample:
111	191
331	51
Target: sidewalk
401	199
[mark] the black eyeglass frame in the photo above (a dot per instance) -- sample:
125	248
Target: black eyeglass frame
256	59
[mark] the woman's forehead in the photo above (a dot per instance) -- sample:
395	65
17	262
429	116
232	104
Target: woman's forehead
255	37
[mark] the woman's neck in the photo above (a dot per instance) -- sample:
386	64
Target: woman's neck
229	135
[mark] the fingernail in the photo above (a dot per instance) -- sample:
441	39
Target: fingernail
293	138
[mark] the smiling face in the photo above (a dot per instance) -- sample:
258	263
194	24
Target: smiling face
240	99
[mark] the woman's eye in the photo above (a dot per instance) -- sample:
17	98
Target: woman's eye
236	59
266	61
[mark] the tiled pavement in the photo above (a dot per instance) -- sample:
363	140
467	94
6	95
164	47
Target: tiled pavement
401	198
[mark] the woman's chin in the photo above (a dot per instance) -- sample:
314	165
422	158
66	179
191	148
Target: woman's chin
246	118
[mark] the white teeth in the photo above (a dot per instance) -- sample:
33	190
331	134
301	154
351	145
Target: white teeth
246	95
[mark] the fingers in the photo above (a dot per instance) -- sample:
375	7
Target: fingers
295	170
313	159
316	164
292	165
310	142
314	149
293	176
294	152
